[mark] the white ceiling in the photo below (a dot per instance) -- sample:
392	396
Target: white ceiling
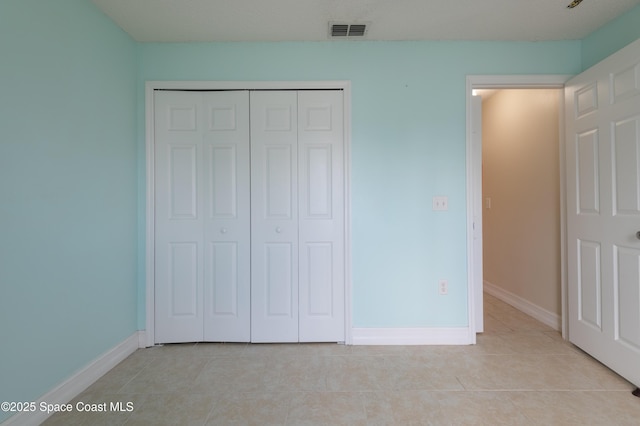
308	20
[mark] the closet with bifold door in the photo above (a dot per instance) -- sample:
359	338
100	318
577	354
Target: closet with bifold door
249	238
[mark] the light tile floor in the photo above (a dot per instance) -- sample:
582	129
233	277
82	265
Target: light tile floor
520	373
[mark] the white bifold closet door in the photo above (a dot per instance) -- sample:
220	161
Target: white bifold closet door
249	216
202	208
297	216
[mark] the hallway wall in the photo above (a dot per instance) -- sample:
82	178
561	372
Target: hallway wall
521	177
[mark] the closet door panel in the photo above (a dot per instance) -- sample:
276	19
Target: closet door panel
179	218
227	271
249	242
274	217
202	249
321	221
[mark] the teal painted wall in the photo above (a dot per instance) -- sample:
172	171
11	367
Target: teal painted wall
611	38
67	192
72	149
408	145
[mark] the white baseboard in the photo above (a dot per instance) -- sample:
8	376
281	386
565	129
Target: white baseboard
549	318
142	339
81	380
411	336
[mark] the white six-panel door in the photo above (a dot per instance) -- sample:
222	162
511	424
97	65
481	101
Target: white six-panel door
297	217
249	245
202	239
603	211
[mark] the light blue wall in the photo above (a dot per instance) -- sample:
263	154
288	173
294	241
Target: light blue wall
408	145
67	192
72	126
611	38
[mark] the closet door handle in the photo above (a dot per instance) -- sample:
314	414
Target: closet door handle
223	230
279	230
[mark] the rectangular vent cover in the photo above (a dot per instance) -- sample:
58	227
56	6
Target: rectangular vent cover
347	30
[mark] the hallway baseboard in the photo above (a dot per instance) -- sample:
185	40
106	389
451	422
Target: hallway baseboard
544	316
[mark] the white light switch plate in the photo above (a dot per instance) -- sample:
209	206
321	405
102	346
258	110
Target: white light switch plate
441	203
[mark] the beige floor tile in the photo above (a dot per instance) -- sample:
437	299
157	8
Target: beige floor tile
166	375
494	325
597	375
116	410
326	408
239	374
214	350
248	409
535	342
523	372
520	372
280	350
122	373
301	373
418	373
404	408
352	373
578	407
172	409
480	408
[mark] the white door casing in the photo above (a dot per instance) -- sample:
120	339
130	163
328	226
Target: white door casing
476	140
474	182
603	210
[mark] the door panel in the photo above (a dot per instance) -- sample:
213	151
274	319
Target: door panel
223	276
249	216
627	284
589	286
603	169
278	279
274	217
318	193
625	83
183	279
588	179
227	275
223	196
319	261
182	184
321	239
278	181
202	216
626	157
178	240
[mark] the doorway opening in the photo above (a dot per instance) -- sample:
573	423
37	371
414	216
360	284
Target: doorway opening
521	202
478	202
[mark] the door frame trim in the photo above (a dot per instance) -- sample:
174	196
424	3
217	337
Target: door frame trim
475	284
150	87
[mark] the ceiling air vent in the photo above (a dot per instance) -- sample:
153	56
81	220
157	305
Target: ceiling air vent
347	30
